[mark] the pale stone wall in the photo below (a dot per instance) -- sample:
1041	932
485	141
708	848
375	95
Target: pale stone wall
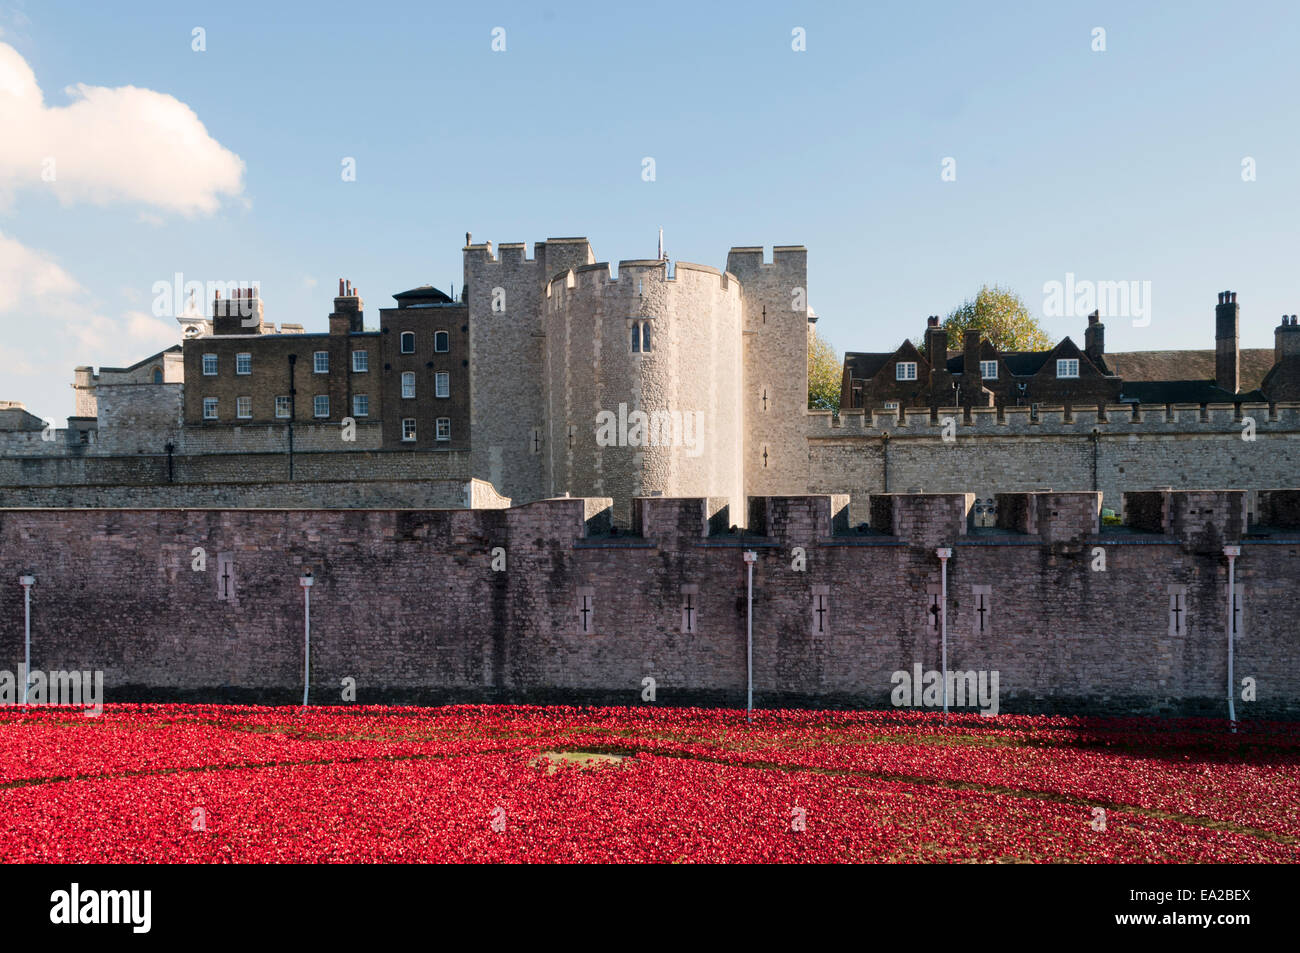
507	358
1180	446
688	384
775	390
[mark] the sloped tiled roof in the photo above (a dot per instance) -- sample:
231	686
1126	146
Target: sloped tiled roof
864	365
1184	366
1024	363
1182	392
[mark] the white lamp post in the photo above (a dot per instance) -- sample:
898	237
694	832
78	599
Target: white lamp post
1232	552
27	580
944	554
750	558
306	581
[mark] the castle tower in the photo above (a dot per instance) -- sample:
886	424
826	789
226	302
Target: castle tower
774	297
644	378
507	358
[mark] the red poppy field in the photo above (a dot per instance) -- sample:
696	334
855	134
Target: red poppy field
205	784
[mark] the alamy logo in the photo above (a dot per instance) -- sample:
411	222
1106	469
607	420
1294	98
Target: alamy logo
1113	299
179	298
965	689
658	428
102	906
82	689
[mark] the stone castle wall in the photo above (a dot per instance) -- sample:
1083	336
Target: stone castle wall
407	602
1181	446
775	394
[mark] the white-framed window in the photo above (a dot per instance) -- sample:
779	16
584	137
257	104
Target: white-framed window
209	408
360	405
360	362
1067	367
408	383
244	407
320	362
989	370
905	371
441	342
891	405
408	342
408	428
444	428
209	365
321	405
442	384
243	363
282	407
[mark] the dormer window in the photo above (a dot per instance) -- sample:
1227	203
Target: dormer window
989	370
1067	368
905	371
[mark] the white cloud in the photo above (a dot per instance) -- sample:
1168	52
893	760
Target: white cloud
110	145
52	324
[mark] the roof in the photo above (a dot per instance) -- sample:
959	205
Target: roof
141	363
1183	392
1024	363
420	297
1185	366
863	365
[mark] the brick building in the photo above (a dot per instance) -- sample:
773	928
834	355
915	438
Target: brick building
408	380
979	375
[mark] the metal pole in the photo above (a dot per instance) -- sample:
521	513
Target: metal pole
306	582
943	555
306	621
26	581
750	556
1232	552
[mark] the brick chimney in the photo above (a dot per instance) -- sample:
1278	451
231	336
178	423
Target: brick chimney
1286	339
936	343
347	315
970	349
1094	338
241	313
1227	356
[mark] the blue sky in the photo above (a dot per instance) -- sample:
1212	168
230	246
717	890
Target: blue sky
1117	165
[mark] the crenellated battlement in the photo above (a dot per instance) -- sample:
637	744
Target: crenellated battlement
492	605
742	259
633	275
1053	516
1114	419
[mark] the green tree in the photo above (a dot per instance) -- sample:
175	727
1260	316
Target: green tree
825	371
1002	317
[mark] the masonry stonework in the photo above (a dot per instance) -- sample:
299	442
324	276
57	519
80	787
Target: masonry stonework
407	601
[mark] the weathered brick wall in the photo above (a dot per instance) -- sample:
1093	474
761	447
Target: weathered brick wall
407	603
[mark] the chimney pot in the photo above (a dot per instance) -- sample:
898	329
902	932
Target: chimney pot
1234	297
932	321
